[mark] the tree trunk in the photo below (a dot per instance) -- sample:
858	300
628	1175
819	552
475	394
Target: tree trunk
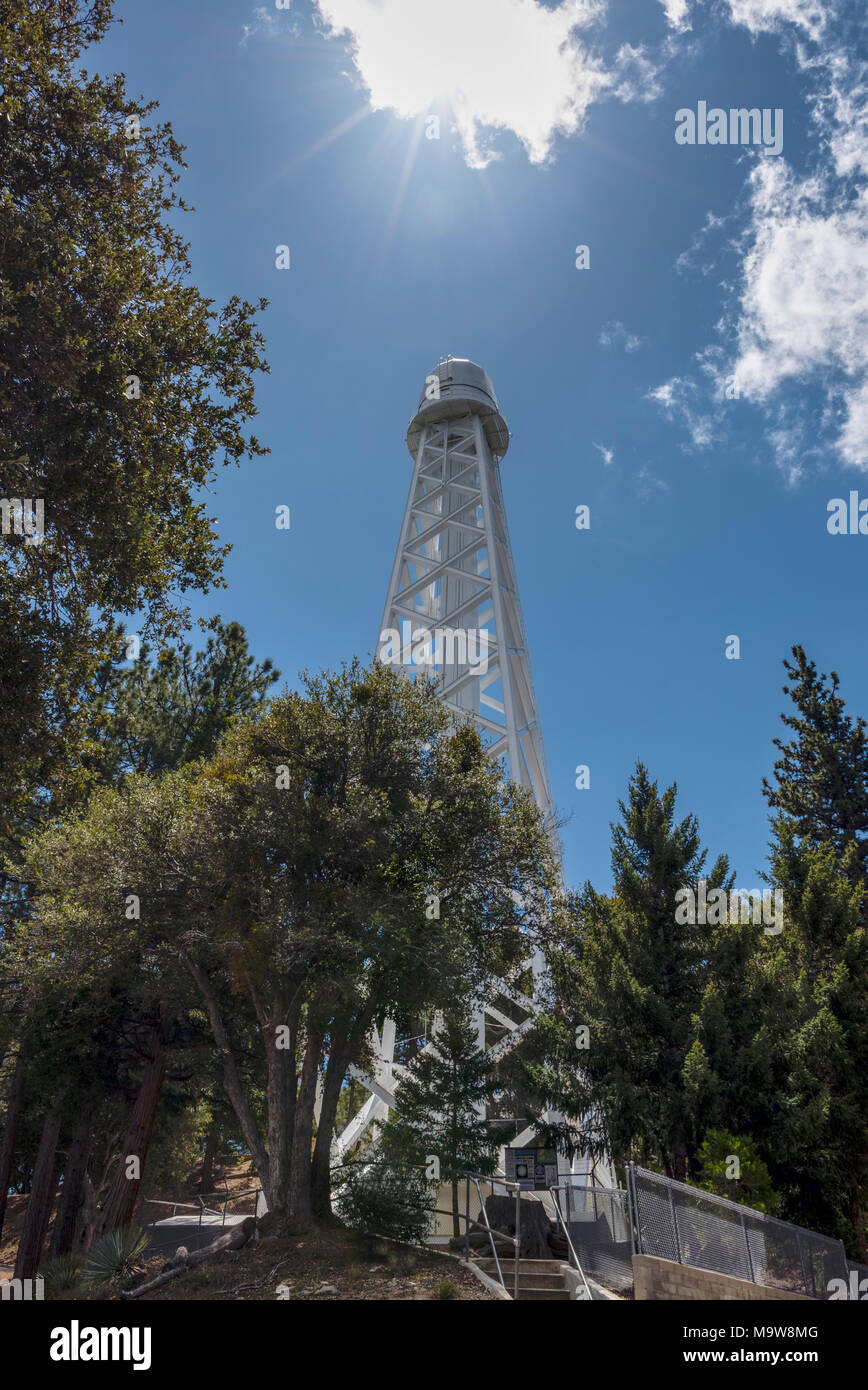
39	1202
231	1240
121	1203
10	1128
232	1082
336	1071
456	1209
535	1224
280	1068
679	1163
206	1182
72	1191
299	1204
320	1176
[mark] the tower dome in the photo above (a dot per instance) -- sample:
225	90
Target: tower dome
458	387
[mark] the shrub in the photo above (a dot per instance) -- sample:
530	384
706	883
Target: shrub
753	1187
379	1197
62	1276
446	1290
116	1255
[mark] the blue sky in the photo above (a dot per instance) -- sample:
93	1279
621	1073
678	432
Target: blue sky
709	265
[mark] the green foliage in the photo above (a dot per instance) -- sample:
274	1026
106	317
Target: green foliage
378	1196
446	1290
116	1255
437	1103
817	1145
63	1276
171	711
94	292
821	778
287	876
176	1145
628	971
753	1186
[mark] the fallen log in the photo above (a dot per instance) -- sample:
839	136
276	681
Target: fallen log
232	1240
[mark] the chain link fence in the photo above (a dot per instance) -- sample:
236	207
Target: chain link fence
682	1223
598	1220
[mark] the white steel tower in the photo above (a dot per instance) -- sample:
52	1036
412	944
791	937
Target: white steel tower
453	587
454	569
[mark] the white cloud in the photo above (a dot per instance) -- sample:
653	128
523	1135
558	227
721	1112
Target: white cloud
805	296
678	398
636	76
649	483
266	24
804	300
794	335
764	16
613	334
677	13
688	260
853	439
520	66
608	454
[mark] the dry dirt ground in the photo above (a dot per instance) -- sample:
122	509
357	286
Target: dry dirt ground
330	1265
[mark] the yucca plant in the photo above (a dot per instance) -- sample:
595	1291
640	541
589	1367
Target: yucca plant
116	1255
62	1276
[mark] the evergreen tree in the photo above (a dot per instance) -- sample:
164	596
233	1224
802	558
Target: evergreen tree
161	713
122	388
730	1166
821	778
618	1043
288	877
126	1028
437	1109
818	861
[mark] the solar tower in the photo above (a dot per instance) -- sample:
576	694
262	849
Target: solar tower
453	595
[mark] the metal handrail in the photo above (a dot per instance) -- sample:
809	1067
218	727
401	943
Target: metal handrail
199	1204
564	1227
515	1240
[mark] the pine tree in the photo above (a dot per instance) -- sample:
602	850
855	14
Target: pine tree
629	974
821	778
437	1107
818	855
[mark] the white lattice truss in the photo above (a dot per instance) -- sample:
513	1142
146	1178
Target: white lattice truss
454	570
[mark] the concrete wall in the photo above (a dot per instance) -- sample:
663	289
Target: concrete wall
661	1279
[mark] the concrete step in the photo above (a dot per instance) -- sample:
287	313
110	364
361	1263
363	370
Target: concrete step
524	1266
531	1295
540	1281
537	1279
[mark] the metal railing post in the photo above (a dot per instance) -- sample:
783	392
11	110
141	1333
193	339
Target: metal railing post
517	1241
804	1266
675	1225
747	1249
467	1218
633	1210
